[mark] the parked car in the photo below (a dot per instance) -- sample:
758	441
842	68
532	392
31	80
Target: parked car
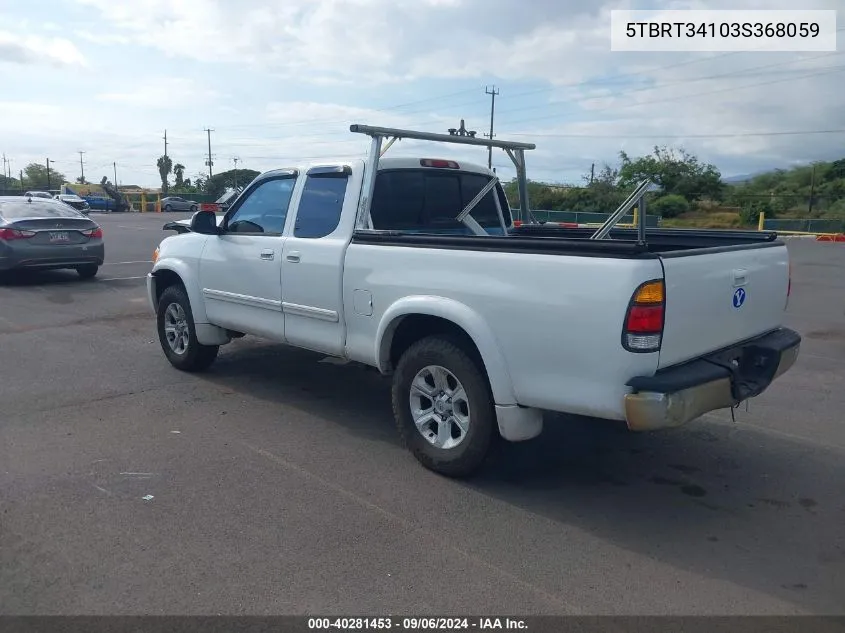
43	233
38	194
175	203
75	201
414	266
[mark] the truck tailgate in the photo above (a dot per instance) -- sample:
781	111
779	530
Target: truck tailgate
715	299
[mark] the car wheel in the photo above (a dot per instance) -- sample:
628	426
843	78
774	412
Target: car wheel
88	271
193	208
177	333
443	407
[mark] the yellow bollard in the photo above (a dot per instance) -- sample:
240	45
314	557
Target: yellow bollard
158	202
762	221
636	212
143	202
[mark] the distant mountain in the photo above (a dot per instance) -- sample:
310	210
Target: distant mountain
735	180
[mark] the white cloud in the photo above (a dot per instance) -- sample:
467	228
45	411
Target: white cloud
168	92
28	49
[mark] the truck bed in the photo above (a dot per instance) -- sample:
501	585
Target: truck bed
575	241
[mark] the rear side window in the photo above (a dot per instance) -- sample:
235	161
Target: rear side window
430	200
321	205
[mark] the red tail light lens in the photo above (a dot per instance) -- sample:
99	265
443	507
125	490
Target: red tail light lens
437	162
93	233
643	330
15	234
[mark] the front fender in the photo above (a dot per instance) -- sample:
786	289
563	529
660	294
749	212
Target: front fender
189	279
461	315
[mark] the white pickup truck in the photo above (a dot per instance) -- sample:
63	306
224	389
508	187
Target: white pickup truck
417	268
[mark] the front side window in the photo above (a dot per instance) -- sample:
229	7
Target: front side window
265	208
321	204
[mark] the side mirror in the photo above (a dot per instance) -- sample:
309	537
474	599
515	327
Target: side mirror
204	223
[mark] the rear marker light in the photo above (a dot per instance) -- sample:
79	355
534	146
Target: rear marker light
643	330
437	162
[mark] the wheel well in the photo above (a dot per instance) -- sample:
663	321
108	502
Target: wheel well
415	327
165	279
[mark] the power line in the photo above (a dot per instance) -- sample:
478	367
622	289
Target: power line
721	135
829	70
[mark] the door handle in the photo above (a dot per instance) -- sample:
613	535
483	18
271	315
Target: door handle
293	256
268	255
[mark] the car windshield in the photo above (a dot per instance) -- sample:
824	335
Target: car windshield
17	210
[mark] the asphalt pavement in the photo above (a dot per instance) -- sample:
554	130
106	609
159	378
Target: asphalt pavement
275	483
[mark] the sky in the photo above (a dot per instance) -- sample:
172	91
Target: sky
279	83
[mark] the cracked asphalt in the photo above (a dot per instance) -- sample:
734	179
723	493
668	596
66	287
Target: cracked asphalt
275	484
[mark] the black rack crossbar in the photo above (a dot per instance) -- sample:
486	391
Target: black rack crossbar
389	132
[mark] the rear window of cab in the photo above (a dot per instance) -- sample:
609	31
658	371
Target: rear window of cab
429	200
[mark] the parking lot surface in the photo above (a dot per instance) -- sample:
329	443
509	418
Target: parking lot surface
275	483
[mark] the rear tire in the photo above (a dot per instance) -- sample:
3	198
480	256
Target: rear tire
177	333
460	400
167	207
193	208
88	271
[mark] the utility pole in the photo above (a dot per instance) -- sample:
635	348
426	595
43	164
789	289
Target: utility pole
209	162
235	160
114	164
592	172
48	174
21	175
165	143
5	180
492	94
81	168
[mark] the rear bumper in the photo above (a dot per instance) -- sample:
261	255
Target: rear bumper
677	395
51	257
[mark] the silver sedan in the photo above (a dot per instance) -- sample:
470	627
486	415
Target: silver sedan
42	233
175	203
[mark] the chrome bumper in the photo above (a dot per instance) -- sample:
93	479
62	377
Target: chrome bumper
651	410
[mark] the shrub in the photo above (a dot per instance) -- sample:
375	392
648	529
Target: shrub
750	213
669	206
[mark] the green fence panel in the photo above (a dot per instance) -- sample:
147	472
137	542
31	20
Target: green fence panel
806	225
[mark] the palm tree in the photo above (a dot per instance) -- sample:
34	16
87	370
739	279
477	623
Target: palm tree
179	170
165	167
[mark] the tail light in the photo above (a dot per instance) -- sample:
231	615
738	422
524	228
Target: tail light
436	162
15	234
643	330
93	233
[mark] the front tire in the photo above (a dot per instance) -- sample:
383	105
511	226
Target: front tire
88	271
177	333
193	208
443	407
167	207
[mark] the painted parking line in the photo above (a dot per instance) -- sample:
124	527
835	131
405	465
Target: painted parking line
120	278
144	261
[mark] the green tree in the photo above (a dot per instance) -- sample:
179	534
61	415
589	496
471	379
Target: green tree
218	183
165	167
35	177
179	171
676	171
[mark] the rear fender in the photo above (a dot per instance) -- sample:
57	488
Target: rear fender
461	315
